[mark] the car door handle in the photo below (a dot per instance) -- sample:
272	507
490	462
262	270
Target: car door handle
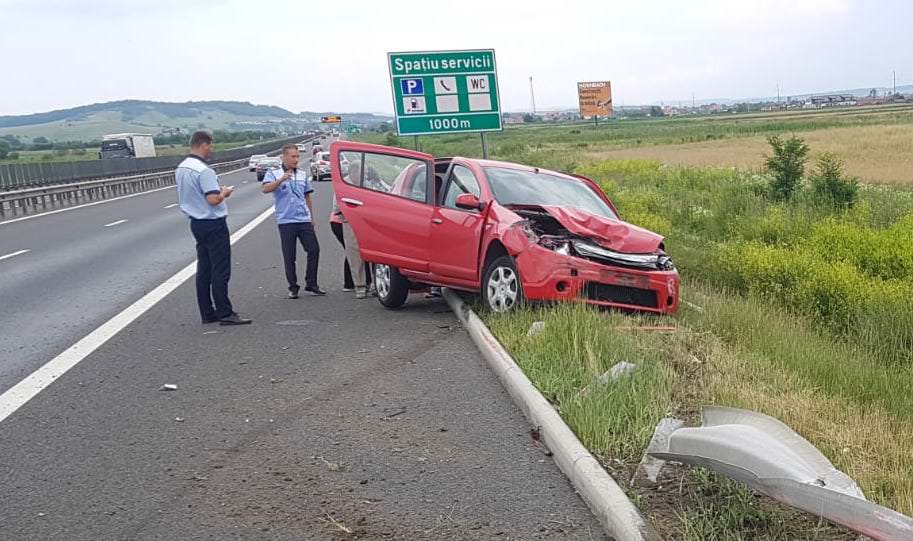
351	201
437	221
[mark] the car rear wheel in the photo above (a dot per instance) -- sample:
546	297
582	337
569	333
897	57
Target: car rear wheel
501	287
392	287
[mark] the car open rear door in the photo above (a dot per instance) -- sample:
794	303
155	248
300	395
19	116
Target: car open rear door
383	194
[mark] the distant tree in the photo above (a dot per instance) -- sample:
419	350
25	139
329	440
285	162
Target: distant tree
787	164
40	140
4	149
656	110
391	140
530	118
12	156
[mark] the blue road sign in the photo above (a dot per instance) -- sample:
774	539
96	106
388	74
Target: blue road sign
412	87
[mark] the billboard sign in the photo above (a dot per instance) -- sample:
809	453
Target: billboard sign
595	98
439	92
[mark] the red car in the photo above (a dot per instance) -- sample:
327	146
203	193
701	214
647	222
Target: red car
509	231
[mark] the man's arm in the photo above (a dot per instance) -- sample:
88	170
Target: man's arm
307	199
214	193
271	183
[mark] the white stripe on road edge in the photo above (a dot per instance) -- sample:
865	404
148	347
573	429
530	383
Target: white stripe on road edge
18	395
112	224
171	206
48	213
14	254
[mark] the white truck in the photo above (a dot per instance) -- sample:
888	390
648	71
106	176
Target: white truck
127	145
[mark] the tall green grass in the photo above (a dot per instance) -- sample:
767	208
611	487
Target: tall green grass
851	270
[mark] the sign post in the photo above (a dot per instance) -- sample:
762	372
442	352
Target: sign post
595	98
441	92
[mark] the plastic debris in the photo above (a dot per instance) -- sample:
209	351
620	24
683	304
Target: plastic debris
169	387
536	328
618	371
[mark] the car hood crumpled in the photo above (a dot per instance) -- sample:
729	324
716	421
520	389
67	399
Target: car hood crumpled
612	234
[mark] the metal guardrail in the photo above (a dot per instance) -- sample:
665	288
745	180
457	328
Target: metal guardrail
26	175
21	202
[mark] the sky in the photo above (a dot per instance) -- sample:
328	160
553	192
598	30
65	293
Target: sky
331	56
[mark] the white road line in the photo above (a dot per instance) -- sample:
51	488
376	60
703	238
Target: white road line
14	254
18	395
112	224
92	204
171	206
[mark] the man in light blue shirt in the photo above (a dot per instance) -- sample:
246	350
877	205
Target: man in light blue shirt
202	199
291	189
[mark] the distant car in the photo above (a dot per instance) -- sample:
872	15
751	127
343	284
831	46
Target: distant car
252	164
265	165
512	232
301	147
315	150
320	167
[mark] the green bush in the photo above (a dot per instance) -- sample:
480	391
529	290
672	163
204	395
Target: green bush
787	164
12	156
831	186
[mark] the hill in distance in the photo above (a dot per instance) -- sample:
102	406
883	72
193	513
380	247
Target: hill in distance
90	122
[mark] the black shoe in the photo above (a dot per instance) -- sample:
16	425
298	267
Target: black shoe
207	320
315	290
234	319
293	294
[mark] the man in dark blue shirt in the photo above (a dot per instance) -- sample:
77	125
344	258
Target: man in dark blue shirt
291	189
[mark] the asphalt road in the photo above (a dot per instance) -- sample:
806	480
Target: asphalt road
86	264
327	414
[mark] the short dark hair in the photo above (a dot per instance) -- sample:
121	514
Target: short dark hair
200	138
289	146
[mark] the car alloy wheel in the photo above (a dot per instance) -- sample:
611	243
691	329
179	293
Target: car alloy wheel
382	280
503	289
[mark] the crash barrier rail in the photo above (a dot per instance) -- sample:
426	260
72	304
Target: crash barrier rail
22	202
27	175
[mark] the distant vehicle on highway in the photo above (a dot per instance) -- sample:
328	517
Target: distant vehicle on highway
512	232
127	145
320	167
265	165
254	160
316	149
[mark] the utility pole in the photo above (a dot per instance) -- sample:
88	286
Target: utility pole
532	94
778	95
894	76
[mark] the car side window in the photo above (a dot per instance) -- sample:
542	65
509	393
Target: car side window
395	175
461	181
350	164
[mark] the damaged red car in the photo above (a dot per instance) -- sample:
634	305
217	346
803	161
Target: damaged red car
511	232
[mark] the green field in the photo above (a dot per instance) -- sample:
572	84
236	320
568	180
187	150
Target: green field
796	309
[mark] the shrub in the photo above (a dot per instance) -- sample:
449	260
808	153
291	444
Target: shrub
831	186
787	164
12	156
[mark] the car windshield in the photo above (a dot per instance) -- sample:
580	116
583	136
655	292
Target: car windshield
521	187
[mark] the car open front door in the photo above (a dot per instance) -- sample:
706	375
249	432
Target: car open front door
383	193
456	232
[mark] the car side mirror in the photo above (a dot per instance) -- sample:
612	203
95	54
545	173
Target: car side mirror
468	201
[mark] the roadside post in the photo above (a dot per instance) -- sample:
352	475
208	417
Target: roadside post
445	92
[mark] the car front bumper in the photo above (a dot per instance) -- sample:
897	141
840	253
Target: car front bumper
550	276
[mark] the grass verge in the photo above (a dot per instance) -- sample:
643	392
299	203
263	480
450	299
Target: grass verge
735	351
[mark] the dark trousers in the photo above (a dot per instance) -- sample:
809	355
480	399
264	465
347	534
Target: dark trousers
213	267
348	283
291	234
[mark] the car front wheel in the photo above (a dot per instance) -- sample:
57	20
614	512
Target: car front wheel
392	287
501	287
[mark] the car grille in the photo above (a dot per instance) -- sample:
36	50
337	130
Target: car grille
621	294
